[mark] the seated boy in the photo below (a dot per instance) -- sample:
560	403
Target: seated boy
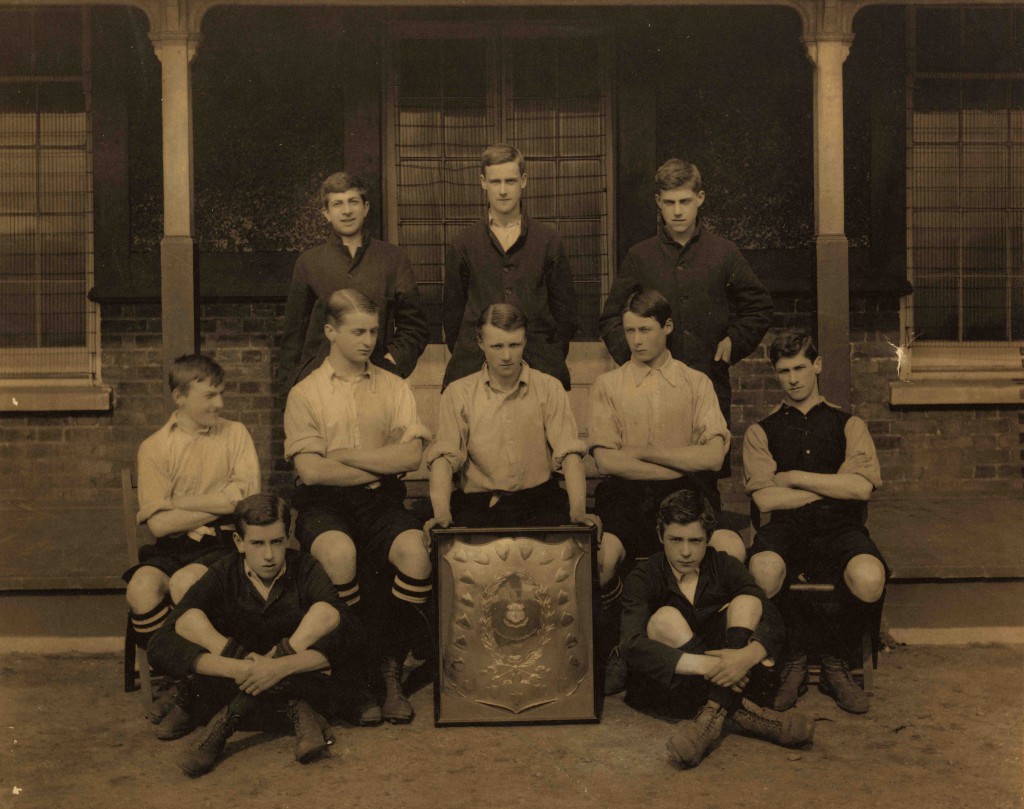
694	627
655	426
192	472
252	628
504	430
351	430
812	467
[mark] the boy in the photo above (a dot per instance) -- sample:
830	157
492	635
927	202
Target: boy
508	258
351	430
504	429
812	467
252	629
694	627
654	427
351	258
192	473
722	309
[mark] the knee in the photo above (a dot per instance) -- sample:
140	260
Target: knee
865	577
610	556
409	554
769	571
668	626
183	579
729	542
337	553
146	588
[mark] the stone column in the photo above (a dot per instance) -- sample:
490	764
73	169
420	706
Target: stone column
178	290
827	36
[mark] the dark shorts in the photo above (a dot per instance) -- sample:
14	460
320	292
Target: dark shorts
817	543
171	553
371	517
629	509
543	505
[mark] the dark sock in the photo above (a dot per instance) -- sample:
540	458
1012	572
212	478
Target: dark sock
348	592
147	623
737	637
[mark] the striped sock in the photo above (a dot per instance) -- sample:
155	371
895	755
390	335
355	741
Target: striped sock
145	624
348	592
413	591
611	592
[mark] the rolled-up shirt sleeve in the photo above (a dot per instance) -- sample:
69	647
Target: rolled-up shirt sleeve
245	466
452	440
303	432
758	464
605	428
406	425
861	458
155	485
708	421
560	425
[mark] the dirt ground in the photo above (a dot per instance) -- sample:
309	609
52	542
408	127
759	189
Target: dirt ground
945	730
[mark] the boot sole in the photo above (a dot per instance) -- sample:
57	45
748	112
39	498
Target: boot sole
398	720
311	755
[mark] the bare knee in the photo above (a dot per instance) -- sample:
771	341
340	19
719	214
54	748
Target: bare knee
609	557
668	626
147	587
336	551
183	579
769	571
409	554
865	577
729	542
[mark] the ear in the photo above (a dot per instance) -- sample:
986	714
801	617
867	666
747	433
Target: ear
177	396
817	365
327	216
668	326
483	182
700	199
239	542
522	181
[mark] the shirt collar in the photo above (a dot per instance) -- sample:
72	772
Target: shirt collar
821	401
524	380
263	589
332	376
367	238
666	237
491	222
640	371
174	424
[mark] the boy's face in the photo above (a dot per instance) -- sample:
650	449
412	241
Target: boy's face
504	186
200	405
798	377
685	546
503	351
354	338
263	547
648	339
679	208
346	211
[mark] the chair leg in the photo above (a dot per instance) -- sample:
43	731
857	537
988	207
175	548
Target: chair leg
129	659
868	662
144	676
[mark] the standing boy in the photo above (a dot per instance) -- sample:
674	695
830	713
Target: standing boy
351	429
351	258
254	629
812	467
695	626
508	258
721	309
504	430
192	473
655	427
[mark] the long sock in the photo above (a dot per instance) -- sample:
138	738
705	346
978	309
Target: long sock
609	618
405	615
348	592
145	624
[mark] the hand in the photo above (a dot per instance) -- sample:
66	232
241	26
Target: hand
589	519
266	672
729	668
440	521
724	351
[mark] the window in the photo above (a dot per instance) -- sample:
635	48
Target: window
965	190
455	89
48	328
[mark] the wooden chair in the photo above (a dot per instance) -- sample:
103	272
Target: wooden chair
135	535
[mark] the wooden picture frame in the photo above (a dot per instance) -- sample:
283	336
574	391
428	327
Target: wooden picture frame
515	625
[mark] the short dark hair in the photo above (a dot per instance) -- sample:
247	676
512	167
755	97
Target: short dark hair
502	316
676	173
262	509
189	368
344	301
649	303
500	153
791	343
339	183
684	507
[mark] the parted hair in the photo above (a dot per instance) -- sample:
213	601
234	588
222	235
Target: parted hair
503	316
339	183
502	153
790	343
262	509
675	173
684	507
189	368
344	301
649	303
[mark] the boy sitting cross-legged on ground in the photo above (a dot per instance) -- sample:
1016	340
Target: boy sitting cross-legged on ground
695	626
254	628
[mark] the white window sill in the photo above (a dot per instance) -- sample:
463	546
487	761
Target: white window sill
962	391
27	397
